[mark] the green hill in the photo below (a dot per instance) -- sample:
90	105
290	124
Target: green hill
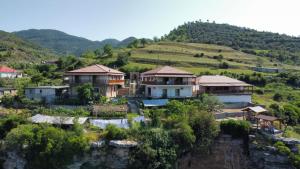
16	50
273	45
63	43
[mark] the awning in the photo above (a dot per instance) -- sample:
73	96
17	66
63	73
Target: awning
155	102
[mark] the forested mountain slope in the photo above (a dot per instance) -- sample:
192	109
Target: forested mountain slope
16	50
63	43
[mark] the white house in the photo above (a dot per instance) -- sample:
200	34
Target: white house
226	89
168	82
6	72
46	93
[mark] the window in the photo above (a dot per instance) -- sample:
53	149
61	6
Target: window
41	91
177	92
165	93
96	90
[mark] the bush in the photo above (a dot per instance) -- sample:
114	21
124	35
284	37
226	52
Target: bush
115	133
236	128
282	148
199	55
278	97
45	146
260	91
224	65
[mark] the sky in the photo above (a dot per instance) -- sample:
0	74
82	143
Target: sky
101	19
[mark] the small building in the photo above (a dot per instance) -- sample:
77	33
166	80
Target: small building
46	93
168	82
226	89
6	72
57	120
7	91
251	112
106	81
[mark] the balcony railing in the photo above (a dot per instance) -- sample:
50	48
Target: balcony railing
117	82
167	83
220	92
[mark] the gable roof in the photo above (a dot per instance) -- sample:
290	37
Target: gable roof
256	109
5	69
95	69
217	80
167	71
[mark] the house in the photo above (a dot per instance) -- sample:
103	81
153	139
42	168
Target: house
168	82
226	89
106	81
6	72
46	93
7	91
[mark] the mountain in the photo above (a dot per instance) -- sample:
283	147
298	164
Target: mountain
63	43
276	46
16	50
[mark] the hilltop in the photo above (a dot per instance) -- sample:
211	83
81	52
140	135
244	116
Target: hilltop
283	48
16	50
63	43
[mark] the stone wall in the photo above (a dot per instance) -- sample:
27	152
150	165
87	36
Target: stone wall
226	153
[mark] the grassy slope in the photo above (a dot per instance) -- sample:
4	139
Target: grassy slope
182	55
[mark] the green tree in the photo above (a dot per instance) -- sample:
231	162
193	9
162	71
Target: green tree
85	93
107	51
143	42
123	59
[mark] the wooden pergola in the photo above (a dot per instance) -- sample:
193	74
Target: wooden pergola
265	121
249	113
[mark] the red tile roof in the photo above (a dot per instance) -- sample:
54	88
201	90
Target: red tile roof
167	71
5	69
95	69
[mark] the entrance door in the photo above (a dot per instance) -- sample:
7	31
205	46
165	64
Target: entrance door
164	93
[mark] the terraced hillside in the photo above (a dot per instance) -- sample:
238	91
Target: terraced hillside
199	57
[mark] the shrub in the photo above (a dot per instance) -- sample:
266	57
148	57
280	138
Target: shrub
278	97
115	133
45	146
236	128
282	148
224	65
260	91
199	55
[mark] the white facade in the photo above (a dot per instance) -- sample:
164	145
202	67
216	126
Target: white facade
10	75
169	91
234	98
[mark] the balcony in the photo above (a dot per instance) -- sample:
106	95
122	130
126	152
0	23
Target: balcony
116	82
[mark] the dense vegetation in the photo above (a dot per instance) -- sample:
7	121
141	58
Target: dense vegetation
63	43
280	47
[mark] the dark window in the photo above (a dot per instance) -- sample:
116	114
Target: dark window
177	92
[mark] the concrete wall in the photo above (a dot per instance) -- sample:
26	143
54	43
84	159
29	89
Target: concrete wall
10	75
234	98
157	91
48	94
